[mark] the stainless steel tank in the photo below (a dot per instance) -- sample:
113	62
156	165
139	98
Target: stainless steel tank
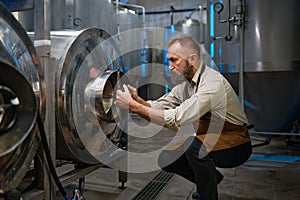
271	59
20	99
75	14
89	69
131	29
192	27
94	13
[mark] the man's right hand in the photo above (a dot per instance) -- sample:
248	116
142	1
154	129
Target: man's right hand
135	96
133	92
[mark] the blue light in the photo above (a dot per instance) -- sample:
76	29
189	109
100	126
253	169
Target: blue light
277	158
7	42
108	54
172	28
120	61
232	67
167	89
167	33
250	105
144	70
212	21
212	50
165	56
221	67
212	64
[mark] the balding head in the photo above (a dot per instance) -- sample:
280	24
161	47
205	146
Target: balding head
186	43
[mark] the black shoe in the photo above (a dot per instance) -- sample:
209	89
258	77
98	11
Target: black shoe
219	177
196	195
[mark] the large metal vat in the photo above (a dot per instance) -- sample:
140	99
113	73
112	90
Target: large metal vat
95	13
271	59
20	96
75	14
82	59
131	29
192	27
89	69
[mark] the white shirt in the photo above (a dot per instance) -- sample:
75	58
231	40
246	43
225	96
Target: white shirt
187	102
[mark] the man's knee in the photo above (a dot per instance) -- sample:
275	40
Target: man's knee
196	150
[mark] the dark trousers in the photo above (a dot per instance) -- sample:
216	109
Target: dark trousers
201	170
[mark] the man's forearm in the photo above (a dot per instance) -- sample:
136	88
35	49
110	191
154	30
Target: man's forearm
142	101
151	114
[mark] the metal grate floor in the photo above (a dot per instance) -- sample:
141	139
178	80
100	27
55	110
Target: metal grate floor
151	191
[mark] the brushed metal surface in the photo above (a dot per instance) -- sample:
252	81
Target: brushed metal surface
20	72
85	121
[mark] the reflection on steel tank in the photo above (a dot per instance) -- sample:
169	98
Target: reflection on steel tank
271	58
20	99
89	69
192	27
132	38
75	14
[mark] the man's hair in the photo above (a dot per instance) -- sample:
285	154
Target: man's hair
184	40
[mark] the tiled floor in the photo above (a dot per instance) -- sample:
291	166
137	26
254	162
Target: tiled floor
272	173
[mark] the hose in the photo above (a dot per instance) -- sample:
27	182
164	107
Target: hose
48	157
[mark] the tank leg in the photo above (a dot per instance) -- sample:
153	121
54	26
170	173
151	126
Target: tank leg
122	179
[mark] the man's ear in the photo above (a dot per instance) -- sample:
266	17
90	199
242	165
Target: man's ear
193	58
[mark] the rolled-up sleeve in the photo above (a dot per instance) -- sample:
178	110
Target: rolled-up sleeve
207	98
189	111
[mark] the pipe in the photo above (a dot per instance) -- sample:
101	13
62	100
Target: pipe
172	9
143	18
125	5
132	6
117	11
201	23
228	36
242	48
169	11
48	157
42	44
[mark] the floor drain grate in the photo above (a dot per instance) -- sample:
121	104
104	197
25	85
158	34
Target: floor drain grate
151	191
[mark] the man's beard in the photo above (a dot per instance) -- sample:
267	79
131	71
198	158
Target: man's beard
178	77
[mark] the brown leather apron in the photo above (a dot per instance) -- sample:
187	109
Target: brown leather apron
216	134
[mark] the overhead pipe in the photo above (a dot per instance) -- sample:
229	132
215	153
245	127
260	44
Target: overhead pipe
174	11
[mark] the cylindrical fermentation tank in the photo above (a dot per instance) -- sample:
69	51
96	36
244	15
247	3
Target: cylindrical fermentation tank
104	15
271	59
130	27
76	14
192	27
89	69
20	94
